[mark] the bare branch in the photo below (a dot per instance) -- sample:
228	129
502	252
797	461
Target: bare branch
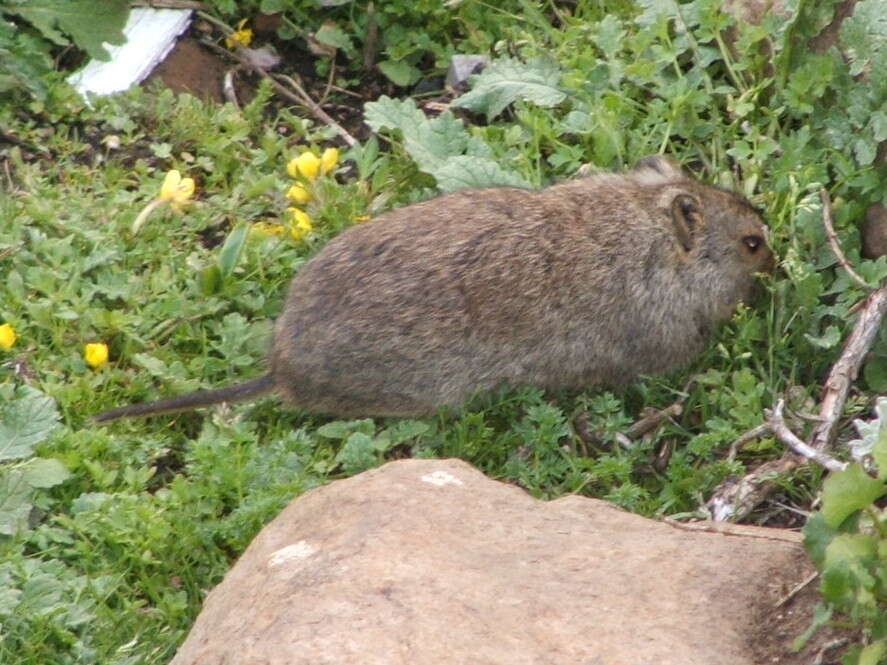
846	369
736	498
833	240
798	588
776	420
754	433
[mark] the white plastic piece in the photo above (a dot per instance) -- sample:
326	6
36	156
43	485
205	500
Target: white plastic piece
150	35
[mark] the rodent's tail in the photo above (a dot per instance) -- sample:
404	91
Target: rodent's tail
235	393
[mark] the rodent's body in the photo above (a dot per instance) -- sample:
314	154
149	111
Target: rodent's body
589	282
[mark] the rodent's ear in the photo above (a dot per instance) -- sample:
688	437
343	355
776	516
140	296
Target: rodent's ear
686	218
662	165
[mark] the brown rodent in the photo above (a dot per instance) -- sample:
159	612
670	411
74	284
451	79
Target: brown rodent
593	281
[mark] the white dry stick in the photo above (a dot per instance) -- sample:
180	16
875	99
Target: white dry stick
846	369
776	420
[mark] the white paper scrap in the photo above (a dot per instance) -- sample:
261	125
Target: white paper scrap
150	35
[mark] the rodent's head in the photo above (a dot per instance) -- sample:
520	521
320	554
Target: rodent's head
718	234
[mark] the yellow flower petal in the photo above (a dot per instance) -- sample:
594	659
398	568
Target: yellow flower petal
328	160
307	165
170	185
95	354
301	224
240	37
7	336
176	189
298	194
362	218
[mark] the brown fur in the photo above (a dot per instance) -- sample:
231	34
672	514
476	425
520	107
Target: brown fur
589	282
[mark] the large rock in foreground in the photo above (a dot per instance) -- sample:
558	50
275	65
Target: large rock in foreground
422	562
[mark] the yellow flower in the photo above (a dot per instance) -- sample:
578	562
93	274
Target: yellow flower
176	189
307	165
240	37
300	224
298	194
328	160
362	218
7	336
95	354
265	229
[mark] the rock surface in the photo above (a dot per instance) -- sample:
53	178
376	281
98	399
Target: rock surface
429	561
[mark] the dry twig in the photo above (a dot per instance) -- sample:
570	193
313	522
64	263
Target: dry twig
846	369
776	420
295	93
754	433
833	240
798	588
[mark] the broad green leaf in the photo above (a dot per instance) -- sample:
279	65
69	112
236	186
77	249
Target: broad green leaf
875	373
88	22
232	249
358	454
507	80
850	548
845	492
43	472
26	420
864	39
817	536
464	171
334	36
341	429
404	431
90	501
15	501
873	653
388	113
441	146
399	72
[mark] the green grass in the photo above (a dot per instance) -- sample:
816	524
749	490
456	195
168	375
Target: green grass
107	558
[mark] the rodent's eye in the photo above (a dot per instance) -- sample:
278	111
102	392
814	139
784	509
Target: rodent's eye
753	243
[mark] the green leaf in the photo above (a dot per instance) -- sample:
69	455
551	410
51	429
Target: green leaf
873	653
399	72
440	146
863	37
209	279
875	374
845	492
507	80
464	171
334	36
341	429
828	340
850	548
26	420
358	454
404	431
817	536
15	501
88	22
232	249
42	472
